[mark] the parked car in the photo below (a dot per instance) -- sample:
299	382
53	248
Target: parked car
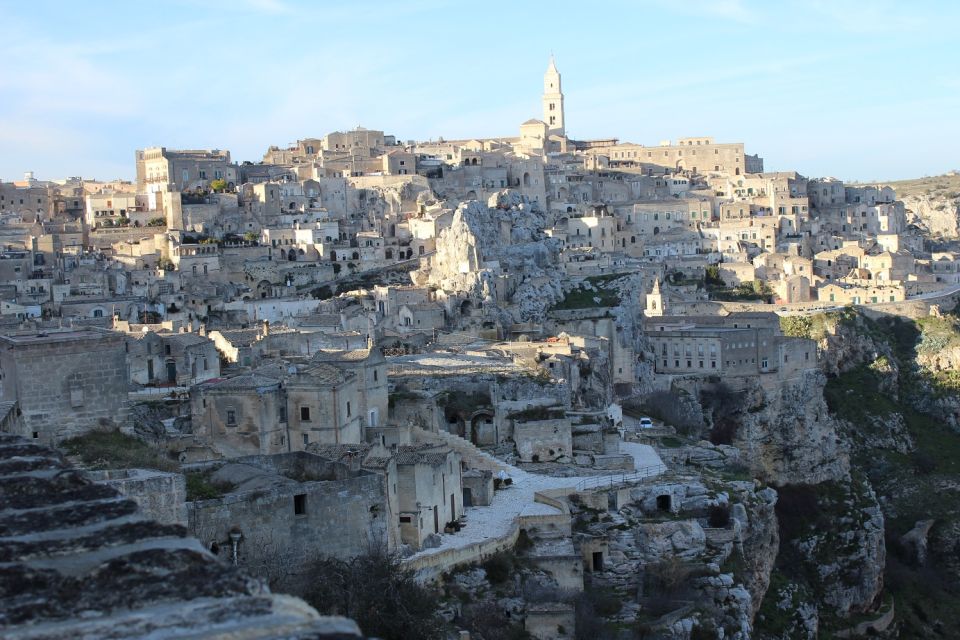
646	423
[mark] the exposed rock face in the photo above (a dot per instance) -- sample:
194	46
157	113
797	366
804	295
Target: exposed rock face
484	243
757	522
792	438
722	566
915	541
784	431
938	214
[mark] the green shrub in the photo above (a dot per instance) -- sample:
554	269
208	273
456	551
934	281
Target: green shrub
199	487
498	567
719	516
111	449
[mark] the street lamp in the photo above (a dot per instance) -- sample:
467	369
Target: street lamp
235	537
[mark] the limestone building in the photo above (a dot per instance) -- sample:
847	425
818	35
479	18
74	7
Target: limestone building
290	509
66	382
162	169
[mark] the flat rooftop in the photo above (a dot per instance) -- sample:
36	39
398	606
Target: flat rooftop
47	337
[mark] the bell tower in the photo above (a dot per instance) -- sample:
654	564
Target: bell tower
553	101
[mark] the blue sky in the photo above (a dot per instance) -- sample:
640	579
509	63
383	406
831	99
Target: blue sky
854	89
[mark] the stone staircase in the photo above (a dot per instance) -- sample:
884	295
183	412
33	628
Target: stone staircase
472	455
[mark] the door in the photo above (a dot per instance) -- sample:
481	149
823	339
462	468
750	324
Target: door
172	372
436	521
467	497
150	370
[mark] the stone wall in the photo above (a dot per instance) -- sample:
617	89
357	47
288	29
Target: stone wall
543	440
160	496
281	532
66	383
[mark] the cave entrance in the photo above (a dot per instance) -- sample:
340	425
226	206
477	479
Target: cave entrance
663	503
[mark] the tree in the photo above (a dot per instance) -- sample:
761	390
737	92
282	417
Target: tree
219	185
250	236
378	593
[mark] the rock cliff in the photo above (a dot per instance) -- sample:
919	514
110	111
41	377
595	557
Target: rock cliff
498	254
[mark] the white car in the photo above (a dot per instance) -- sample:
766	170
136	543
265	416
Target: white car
646	423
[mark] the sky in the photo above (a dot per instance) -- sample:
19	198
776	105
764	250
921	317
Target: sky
853	89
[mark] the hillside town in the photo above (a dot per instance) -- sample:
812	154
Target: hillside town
571	381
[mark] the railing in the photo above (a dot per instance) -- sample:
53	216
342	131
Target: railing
639	475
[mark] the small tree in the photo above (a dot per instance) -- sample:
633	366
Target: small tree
219	185
378	593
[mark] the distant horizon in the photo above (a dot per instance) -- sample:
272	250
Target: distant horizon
865	92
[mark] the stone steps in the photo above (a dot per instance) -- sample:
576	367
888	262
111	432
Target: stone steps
473	455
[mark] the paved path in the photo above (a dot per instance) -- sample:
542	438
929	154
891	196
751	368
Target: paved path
495	520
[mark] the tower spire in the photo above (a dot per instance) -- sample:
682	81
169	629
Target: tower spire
553	99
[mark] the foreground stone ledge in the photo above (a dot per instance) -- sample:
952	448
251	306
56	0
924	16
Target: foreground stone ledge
79	560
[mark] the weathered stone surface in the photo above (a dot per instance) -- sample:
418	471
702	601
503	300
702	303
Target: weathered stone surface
915	540
80	561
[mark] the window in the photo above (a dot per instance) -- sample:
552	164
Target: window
305	414
282	413
374	375
231	418
306	439
348	408
300	504
405	520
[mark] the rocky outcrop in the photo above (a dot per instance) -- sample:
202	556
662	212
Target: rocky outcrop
791	437
938	214
498	254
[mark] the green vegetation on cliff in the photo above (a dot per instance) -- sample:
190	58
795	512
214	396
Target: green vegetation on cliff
899	424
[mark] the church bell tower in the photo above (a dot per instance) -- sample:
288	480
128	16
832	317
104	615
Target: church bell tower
553	101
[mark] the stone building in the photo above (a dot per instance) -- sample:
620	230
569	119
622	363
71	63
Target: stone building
278	408
161	169
171	358
429	491
289	509
370	367
736	344
66	382
696	155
